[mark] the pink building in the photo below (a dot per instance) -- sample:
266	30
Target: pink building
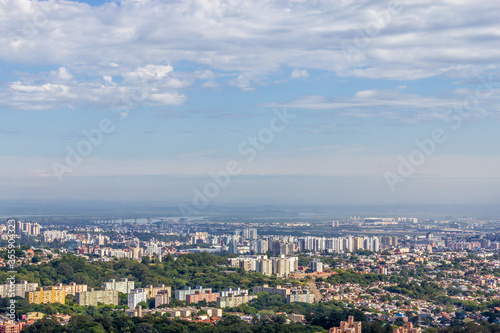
198	296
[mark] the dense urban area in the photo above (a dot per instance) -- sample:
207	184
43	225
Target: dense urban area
361	274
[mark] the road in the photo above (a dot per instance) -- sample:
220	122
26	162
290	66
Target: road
312	287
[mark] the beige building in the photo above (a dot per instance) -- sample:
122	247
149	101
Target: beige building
233	301
151	291
349	326
213	312
188	311
94	297
265	266
358	243
137	253
18	289
46	295
279	290
72	288
248	264
281	267
179	312
124	285
162	297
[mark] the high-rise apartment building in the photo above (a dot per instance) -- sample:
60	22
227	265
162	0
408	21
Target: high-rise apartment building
136	296
18	289
72	288
124	285
94	297
162	297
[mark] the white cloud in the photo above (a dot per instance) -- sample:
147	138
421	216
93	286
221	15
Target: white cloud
108	79
299	73
245	39
153	71
417	40
210	84
243	81
167	99
392	103
63	74
149	85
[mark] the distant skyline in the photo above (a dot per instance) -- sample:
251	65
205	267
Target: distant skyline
354	102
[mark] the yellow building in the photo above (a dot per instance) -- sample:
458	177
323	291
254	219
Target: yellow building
358	243
47	295
151	291
34	315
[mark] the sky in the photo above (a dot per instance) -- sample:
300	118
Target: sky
202	102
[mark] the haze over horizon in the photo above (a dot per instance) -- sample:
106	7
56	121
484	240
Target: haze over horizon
275	102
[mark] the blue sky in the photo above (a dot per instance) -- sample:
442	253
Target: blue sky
185	85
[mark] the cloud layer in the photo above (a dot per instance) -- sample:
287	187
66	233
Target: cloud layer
401	40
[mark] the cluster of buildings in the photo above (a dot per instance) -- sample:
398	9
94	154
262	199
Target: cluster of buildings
233	298
29	319
464	277
288	245
21	228
458	275
292	295
230	298
227	298
105	246
248	233
340	244
152	249
128	253
28	257
247	241
108	295
8	327
41	295
161	294
462	245
211	314
17	289
50	236
27	228
280	266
